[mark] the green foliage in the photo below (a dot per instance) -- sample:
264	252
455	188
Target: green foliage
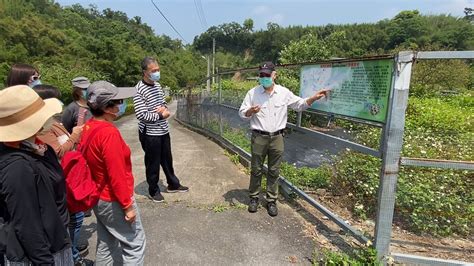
65	41
440	128
307	178
360	256
439	202
357	176
221	207
440	77
310	48
61	76
407	30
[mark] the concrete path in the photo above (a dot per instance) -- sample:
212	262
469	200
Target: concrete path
210	224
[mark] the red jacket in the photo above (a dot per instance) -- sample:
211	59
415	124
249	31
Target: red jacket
108	157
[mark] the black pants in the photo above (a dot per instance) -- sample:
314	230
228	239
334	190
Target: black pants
158	152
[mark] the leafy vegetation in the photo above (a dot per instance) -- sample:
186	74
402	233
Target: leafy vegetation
407	30
360	256
64	42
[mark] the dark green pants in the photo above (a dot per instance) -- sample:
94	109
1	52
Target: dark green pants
263	146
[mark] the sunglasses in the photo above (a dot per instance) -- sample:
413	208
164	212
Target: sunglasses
264	75
35	77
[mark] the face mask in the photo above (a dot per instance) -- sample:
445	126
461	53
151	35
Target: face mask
155	76
84	94
266	82
122	107
35	82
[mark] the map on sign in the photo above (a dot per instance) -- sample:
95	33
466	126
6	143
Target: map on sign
358	89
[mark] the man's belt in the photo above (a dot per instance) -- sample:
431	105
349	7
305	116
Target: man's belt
271	134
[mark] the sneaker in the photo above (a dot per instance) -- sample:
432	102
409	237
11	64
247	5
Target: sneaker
83	248
253	205
179	189
272	209
157	197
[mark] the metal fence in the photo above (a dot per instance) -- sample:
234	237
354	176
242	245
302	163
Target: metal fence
321	140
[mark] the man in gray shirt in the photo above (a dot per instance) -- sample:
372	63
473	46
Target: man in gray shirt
265	106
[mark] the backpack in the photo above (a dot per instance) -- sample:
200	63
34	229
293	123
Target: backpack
82	192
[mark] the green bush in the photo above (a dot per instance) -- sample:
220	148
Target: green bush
360	256
305	177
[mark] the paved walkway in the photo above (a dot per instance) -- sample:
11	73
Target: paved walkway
210	224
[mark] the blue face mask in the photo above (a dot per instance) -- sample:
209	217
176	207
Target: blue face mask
266	82
35	82
122	108
155	76
84	94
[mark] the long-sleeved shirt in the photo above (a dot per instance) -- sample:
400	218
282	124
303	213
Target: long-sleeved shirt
33	213
108	157
59	139
273	113
148	98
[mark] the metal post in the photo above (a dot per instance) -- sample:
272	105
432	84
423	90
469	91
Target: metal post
298	119
208	81
221	128
391	150
213	60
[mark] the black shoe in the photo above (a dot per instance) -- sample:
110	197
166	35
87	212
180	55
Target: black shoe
272	209
83	262
157	197
179	189
253	205
83	248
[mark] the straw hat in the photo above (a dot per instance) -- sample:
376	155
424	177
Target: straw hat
23	113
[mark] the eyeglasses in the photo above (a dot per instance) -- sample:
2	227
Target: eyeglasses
264	75
35	77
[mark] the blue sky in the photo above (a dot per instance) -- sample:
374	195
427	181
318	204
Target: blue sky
183	13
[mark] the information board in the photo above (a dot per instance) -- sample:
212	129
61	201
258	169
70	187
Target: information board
358	89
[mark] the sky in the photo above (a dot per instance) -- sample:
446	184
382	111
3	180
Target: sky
183	14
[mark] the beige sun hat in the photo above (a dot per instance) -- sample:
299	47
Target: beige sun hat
23	113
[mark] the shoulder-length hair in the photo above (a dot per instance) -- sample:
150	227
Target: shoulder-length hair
20	74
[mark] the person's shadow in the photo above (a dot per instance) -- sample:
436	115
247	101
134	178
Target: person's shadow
142	188
235	196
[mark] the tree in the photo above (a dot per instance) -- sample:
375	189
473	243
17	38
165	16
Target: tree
248	25
469	12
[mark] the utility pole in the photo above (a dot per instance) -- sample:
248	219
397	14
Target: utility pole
208	81
213	60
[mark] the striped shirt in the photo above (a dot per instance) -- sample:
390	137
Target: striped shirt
148	98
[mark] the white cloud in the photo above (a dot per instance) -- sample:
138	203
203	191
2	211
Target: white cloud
259	10
276	18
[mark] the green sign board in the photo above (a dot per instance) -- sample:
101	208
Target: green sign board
358	89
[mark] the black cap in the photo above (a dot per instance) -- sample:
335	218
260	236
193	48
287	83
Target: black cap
266	67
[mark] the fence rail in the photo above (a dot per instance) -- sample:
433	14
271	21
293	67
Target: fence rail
389	149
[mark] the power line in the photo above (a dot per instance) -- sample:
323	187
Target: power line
182	38
202	13
199	14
